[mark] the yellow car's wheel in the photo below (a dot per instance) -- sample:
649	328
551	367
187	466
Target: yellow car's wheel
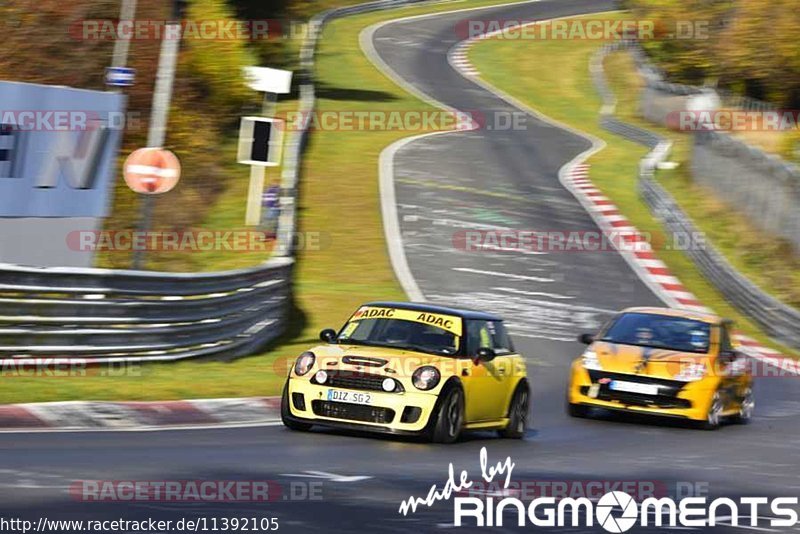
746	406
517	413
714	415
449	416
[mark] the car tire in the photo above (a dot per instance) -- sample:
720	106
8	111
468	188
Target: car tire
449	416
518	411
577	410
714	417
746	406
289	423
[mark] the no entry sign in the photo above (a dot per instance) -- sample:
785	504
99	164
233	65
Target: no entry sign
152	171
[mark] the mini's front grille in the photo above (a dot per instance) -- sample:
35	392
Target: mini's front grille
352	412
356	380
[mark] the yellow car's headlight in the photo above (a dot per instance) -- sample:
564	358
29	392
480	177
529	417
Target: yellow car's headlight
426	378
691	372
590	360
304	363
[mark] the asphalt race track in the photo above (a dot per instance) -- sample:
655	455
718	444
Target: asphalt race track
445	183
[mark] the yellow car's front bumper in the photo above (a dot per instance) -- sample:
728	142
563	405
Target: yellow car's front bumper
692	402
407	412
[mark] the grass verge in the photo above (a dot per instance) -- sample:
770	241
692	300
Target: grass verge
553	77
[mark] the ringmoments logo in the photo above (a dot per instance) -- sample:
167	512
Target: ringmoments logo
615	511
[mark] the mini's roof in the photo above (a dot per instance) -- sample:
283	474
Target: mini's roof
460	312
677	312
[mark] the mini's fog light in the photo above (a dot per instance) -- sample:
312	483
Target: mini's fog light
321	377
388	385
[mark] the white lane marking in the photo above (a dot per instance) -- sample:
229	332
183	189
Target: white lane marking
460	223
532	293
333	477
503	275
515	250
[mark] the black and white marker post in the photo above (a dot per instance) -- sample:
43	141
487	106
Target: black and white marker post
261	138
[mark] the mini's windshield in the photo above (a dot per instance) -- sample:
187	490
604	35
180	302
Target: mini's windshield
659	331
400	333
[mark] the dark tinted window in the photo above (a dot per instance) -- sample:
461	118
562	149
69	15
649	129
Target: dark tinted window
659	331
487	334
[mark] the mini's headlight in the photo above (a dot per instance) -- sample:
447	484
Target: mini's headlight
388	385
304	363
321	377
426	378
590	360
691	372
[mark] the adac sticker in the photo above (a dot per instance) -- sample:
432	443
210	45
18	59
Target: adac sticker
445	322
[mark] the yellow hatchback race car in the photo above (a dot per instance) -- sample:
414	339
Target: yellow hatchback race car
411	369
663	362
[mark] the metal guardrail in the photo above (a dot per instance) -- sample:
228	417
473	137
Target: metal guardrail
779	320
112	316
103	316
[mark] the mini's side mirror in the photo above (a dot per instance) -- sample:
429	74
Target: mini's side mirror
586	339
485	354
328	335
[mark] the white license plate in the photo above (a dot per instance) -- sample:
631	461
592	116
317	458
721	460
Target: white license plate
353	397
633	387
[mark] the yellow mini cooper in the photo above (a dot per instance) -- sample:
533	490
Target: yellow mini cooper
411	369
664	362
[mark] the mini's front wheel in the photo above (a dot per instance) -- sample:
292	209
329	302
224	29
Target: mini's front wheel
450	417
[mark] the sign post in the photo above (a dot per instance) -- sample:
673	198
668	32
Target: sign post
162	95
260	138
118	75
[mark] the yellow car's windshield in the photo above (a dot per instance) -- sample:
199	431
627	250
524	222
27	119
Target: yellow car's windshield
659	331
404	329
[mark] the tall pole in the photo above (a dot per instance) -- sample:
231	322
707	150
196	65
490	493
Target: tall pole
123	43
159	113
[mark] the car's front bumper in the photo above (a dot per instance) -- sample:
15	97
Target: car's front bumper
691	401
397	413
